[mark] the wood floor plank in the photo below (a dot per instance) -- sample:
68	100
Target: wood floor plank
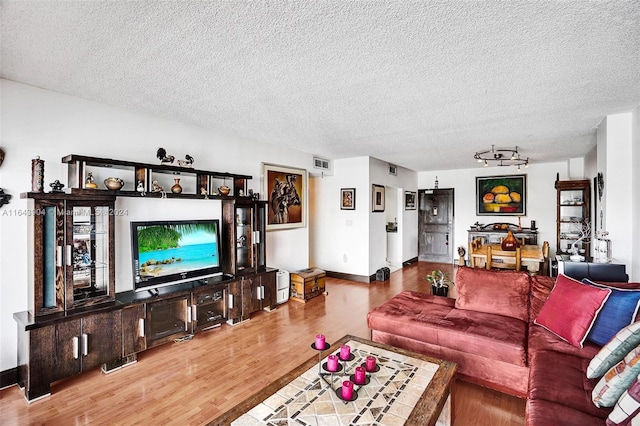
193	382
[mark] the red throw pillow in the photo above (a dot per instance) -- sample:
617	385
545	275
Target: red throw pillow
571	309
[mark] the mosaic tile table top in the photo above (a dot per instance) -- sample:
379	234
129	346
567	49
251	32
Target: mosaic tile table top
408	389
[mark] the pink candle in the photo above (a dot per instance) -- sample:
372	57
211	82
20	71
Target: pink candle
320	343
347	389
345	352
360	377
370	363
332	363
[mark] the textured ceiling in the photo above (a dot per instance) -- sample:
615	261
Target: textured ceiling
419	84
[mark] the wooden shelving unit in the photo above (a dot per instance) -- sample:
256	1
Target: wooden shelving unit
573	214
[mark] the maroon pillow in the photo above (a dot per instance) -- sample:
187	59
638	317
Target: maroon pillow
571	309
494	292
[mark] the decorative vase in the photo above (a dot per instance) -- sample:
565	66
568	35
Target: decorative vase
176	188
510	243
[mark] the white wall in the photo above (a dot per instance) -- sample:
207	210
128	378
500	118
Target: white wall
635	191
617	152
355	241
541	197
41	123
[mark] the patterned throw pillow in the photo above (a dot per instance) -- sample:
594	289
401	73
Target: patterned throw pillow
627	407
619	311
571	309
610	354
617	380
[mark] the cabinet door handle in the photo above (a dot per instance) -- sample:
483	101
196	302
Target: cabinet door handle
230	301
75	347
256	237
85	344
69	260
141	327
188	314
194	312
59	256
261	292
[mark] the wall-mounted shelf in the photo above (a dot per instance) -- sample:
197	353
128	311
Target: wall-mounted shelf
139	177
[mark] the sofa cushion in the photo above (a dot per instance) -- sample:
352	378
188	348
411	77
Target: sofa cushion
619	311
541	286
493	336
571	309
617	379
560	378
494	292
627	407
411	314
540	339
540	412
611	353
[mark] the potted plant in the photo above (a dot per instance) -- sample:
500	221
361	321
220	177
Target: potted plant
440	283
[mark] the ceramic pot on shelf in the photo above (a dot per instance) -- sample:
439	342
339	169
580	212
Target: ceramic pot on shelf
510	243
176	188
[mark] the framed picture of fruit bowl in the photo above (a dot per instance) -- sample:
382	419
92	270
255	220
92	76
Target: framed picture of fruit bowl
501	195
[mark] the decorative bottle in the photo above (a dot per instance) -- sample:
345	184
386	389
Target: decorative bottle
510	243
176	188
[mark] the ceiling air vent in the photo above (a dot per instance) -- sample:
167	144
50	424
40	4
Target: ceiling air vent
321	163
393	170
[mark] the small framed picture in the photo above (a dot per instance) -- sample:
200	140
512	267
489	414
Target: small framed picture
410	200
377	198
347	199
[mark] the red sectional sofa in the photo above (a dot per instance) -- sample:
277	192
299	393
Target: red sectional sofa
489	331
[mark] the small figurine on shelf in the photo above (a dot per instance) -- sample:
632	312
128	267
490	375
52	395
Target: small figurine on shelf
159	188
163	157
203	191
56	186
140	188
89	182
4	198
187	162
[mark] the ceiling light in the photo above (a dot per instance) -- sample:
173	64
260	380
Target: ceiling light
502	157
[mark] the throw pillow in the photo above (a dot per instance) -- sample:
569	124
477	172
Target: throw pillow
571	309
611	353
627	407
617	380
493	292
619	311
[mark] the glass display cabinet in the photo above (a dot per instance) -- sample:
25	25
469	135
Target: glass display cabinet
72	250
573	217
244	235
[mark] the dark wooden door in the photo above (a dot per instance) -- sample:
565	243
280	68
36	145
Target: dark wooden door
234	302
250	295
435	225
67	355
101	339
133	338
268	282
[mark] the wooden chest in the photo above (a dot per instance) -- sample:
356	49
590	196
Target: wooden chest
307	284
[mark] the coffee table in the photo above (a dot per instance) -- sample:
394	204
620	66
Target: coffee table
408	389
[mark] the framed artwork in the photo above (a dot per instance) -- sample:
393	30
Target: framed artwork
286	192
377	198
501	195
409	200
347	199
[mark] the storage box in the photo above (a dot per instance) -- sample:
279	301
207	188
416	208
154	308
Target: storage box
307	284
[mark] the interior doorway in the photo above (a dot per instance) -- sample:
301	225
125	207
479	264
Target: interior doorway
394	225
435	225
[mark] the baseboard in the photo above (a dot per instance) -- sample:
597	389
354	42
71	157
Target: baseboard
410	261
351	277
8	377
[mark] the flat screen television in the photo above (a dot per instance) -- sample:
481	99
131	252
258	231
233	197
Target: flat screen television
169	252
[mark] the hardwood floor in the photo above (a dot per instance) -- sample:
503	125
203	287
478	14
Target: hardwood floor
195	381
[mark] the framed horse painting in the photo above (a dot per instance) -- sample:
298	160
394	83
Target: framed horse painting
286	192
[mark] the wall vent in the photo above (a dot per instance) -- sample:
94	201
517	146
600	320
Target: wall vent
321	163
393	170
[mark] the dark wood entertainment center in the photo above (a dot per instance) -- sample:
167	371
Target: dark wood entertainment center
76	321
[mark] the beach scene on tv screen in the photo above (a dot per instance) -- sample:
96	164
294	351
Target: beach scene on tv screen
173	249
